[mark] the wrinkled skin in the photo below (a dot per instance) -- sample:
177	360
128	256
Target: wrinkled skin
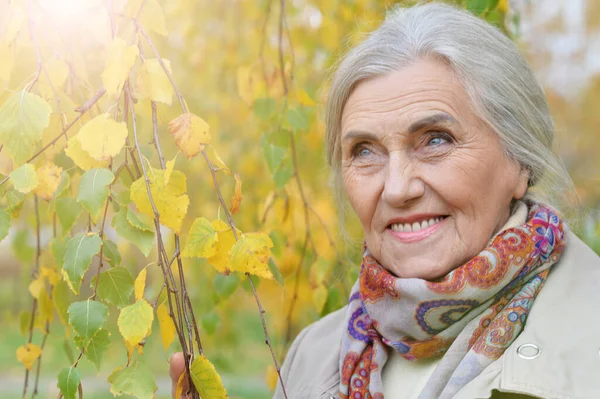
413	145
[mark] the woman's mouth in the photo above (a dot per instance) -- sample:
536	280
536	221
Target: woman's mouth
416	231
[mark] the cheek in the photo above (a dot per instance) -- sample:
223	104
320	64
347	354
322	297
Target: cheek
363	195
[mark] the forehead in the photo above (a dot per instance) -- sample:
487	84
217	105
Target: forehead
399	98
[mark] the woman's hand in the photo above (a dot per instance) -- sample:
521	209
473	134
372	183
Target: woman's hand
176	368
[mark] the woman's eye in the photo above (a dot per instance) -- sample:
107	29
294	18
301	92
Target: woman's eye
438	140
363	152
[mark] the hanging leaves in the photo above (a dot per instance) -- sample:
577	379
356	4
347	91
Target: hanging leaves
24	178
68	382
167	327
202	238
103	137
82	158
251	255
28	354
115	286
206	379
87	317
135	322
120	58
93	190
49	177
191	133
78	255
170	199
136	380
23	117
152	82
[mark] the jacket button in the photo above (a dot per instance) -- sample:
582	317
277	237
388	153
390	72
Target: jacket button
528	351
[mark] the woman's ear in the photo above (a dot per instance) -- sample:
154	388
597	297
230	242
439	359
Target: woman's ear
522	182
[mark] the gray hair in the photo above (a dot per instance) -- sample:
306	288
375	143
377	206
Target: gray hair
500	84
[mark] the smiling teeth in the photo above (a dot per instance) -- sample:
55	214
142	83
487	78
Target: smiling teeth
416	226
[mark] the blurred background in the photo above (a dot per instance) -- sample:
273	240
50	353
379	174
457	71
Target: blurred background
229	58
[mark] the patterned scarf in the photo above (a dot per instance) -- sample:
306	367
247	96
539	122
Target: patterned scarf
470	316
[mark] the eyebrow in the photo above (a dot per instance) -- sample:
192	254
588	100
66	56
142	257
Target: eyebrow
436	119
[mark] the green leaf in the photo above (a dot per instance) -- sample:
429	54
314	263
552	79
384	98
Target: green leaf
139	220
276	273
24	178
96	347
283	174
477	7
93	190
142	239
135	321
225	286
273	155
4	224
24	322
68	210
210	322
297	118
78	256
14	201
61	297
111	253
23	117
264	108
115	286
59	246
206	379
136	380
68	382
202	238
87	317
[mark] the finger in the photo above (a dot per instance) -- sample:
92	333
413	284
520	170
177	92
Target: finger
176	369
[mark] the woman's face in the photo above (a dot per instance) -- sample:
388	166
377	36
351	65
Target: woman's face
428	179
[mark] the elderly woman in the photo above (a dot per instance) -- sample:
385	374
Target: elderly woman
470	286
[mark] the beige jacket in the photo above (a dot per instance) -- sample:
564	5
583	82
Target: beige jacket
557	356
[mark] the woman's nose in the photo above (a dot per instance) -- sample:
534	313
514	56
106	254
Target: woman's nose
402	185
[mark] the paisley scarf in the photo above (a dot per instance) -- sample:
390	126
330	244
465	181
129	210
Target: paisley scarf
469	317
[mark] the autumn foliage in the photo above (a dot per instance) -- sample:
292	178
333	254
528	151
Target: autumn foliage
178	195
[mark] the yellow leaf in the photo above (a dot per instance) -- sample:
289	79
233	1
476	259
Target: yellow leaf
121	58
103	137
170	199
49	176
503	6
57	71
140	285
179	389
319	297
135	322
28	354
152	82
202	238
190	133
206	379
169	170
24	178
226	240
82	158
304	99
50	274
36	287
8	61
167	327
237	196
271	377
131	348
46	307
151	17
251	255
